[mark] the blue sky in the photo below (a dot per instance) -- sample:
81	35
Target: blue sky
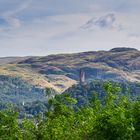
42	27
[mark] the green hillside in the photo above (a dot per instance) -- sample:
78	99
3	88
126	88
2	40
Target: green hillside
85	91
59	72
114	119
15	90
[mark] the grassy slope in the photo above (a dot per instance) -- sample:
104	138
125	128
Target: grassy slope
62	71
35	78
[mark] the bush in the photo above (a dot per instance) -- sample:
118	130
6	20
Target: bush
113	119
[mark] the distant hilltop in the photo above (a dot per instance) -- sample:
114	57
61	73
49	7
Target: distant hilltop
122	49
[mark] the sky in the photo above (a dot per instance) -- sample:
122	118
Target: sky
43	27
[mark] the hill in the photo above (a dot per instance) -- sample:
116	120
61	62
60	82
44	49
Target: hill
7	60
61	71
118	64
85	91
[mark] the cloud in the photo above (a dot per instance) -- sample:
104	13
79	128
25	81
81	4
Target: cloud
3	22
9	23
33	27
19	7
9	20
134	35
108	22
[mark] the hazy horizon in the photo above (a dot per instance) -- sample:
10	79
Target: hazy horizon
62	53
40	28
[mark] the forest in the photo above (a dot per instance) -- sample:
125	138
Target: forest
113	118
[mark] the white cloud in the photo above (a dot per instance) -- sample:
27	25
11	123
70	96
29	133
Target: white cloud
8	23
43	27
8	19
18	8
108	22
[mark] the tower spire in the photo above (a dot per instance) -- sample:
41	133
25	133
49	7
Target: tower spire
82	76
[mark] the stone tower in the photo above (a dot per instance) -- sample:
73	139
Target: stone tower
82	76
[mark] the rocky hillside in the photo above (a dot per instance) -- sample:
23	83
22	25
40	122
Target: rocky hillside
117	64
61	71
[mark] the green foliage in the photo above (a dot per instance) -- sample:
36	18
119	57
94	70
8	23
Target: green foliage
9	129
15	90
114	119
85	92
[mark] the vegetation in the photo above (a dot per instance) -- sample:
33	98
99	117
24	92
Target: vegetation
114	119
61	71
16	90
84	92
26	74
